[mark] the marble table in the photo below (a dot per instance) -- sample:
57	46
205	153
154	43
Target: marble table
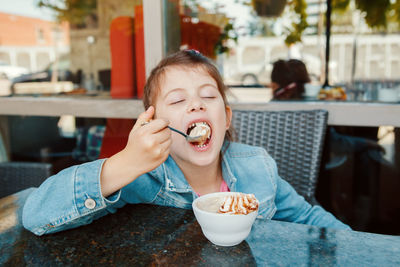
143	235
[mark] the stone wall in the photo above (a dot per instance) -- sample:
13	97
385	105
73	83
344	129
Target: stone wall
91	58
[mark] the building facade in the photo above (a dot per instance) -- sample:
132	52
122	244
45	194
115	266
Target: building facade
31	42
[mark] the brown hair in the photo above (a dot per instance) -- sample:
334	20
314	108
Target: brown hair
281	73
292	71
184	58
299	71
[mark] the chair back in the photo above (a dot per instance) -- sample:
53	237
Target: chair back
17	176
293	138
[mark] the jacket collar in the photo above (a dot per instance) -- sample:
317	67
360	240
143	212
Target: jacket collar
227	174
175	181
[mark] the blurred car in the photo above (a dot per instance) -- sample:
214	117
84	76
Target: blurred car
63	73
8	71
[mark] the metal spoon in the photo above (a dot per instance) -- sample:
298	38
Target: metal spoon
190	139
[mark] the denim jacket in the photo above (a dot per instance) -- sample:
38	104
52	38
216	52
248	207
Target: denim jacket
73	197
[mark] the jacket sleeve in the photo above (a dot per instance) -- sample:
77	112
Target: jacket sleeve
69	199
294	208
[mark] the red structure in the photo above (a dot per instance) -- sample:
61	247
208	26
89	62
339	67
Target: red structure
122	58
139	52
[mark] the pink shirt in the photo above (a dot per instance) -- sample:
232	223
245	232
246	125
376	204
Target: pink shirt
223	188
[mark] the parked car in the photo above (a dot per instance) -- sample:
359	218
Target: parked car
260	74
63	73
8	71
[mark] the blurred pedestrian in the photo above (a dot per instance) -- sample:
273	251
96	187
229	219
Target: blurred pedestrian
288	79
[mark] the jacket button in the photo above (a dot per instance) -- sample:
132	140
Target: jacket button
90	203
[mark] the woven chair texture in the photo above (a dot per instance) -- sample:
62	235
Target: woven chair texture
293	138
16	176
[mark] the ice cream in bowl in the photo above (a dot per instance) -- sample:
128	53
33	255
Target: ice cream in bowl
226	218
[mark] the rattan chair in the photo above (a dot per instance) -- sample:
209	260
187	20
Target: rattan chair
16	176
293	138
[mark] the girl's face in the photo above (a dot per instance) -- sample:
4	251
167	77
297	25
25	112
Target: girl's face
190	96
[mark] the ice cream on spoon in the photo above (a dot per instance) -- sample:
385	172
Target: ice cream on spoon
200	132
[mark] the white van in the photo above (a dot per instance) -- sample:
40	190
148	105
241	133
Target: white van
250	62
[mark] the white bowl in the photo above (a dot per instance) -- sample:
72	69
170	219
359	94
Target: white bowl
223	229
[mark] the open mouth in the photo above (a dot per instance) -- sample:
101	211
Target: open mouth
201	129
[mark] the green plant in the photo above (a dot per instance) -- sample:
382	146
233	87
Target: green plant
73	11
228	33
299	24
340	4
377	13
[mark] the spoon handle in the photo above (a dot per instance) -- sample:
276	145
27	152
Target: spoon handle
188	138
177	131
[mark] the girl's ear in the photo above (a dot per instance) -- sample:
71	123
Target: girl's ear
228	112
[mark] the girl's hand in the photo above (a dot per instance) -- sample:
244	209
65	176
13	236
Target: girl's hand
149	142
147	147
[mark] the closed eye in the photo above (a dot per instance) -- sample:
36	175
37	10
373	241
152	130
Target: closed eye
176	102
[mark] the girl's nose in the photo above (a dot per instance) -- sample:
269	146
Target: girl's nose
196	105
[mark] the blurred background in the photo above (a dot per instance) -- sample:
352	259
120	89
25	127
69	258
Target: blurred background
244	37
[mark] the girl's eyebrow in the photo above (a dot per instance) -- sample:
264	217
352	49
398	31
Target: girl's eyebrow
208	84
182	89
173	90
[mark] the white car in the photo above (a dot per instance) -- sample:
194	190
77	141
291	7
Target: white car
10	72
260	74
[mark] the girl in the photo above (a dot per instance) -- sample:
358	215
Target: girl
184	91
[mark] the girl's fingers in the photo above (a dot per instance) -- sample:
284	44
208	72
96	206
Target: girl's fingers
157	125
166	145
163	135
145	117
